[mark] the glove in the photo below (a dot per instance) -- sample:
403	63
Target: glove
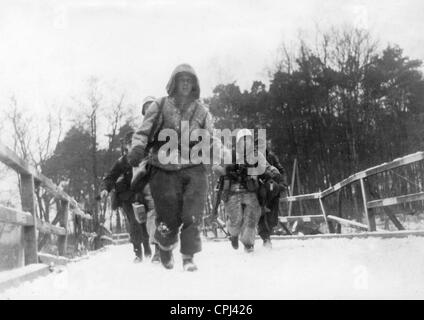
219	170
135	156
103	194
139	173
229	168
123	161
283	187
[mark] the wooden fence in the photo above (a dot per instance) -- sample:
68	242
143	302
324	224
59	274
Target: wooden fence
367	205
26	217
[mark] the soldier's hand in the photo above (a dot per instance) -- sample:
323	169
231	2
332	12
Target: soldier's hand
103	194
219	170
135	155
283	187
123	160
230	168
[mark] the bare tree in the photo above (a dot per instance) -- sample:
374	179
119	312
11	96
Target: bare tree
34	142
21	138
94	98
115	119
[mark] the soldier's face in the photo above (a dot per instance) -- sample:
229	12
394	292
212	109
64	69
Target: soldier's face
185	83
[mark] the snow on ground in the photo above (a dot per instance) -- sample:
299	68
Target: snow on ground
293	269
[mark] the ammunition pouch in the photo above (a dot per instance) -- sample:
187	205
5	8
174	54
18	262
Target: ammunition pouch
252	184
140	212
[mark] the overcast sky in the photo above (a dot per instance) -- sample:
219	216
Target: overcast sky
49	48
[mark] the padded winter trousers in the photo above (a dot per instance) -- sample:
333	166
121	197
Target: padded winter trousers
138	231
179	198
269	220
151	213
243	213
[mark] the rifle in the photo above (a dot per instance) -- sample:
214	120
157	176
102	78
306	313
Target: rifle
214	216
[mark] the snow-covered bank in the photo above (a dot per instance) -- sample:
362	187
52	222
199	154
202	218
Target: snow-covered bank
293	269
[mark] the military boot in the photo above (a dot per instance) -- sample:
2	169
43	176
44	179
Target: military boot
147	250
234	242
167	258
138	254
268	243
248	248
156	256
188	263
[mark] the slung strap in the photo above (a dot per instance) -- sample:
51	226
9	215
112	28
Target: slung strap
155	130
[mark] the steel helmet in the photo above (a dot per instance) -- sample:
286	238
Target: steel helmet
146	102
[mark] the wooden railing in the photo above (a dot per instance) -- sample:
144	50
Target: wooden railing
27	218
367	205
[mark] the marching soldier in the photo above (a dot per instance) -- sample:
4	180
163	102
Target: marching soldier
241	201
179	190
151	214
119	180
273	183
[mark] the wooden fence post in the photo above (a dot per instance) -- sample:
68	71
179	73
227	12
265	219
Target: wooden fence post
324	214
339	210
299	190
63	240
291	190
369	215
30	242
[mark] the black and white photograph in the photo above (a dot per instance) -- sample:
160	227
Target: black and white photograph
211	153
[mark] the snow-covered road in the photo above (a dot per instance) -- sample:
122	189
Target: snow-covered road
359	268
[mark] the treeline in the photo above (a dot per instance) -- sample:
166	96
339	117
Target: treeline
79	165
75	157
338	106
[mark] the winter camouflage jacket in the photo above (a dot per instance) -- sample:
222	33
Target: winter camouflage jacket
171	116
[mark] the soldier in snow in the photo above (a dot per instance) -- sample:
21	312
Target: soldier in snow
179	189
